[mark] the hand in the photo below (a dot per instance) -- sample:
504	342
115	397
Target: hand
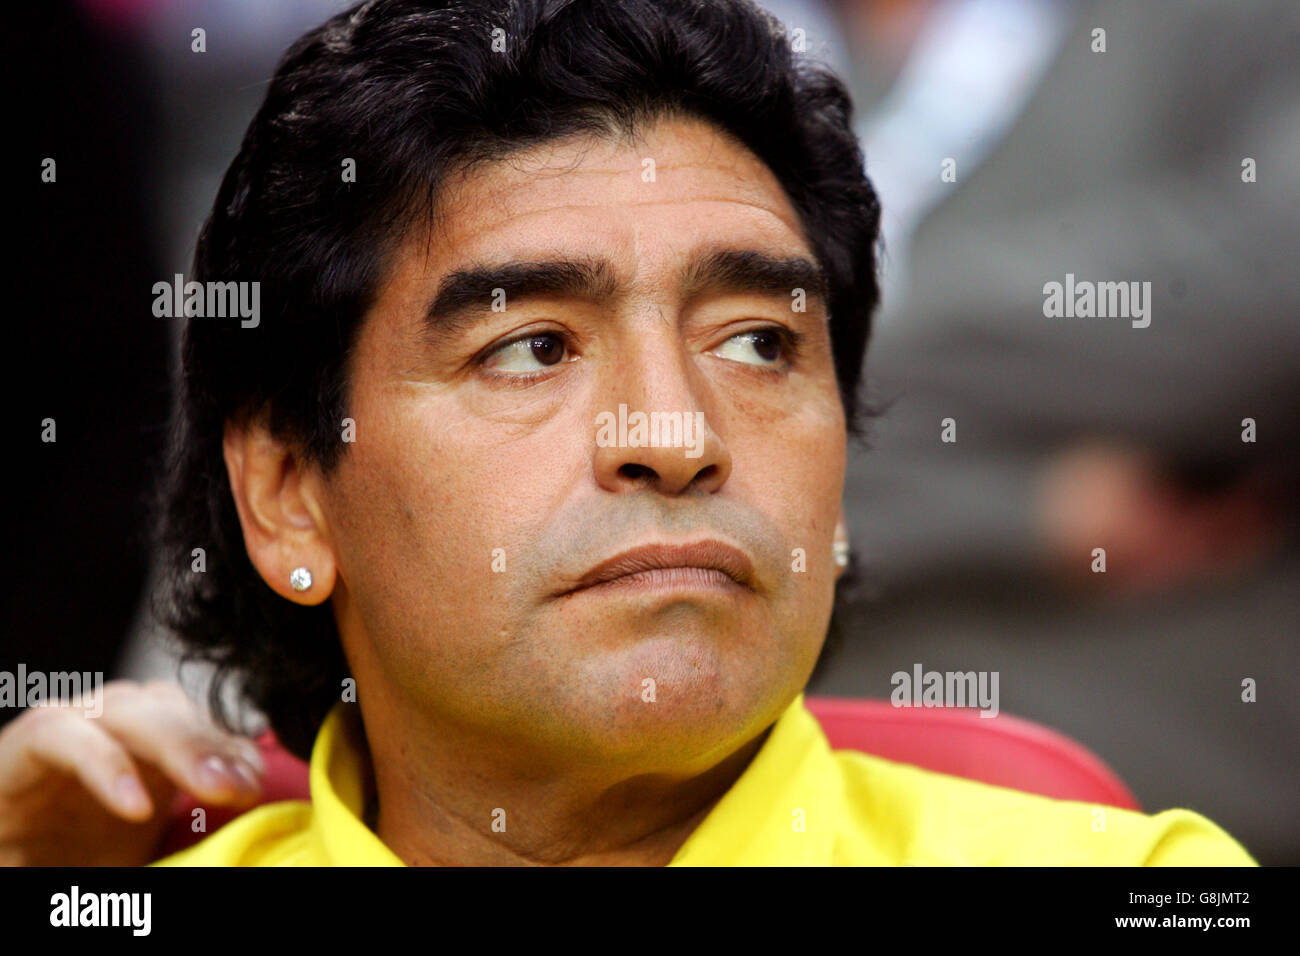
96	791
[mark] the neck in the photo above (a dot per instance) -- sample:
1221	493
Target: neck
461	804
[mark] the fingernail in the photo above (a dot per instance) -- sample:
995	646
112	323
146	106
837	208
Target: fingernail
215	774
130	794
247	776
251	757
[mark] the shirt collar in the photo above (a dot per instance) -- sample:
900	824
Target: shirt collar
340	777
780	811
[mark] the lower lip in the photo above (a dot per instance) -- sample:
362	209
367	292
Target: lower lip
669	580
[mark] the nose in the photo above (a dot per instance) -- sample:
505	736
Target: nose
654	429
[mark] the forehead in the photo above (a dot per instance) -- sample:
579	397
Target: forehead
645	204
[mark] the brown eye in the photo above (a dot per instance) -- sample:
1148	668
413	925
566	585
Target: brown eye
767	345
528	354
547	349
756	347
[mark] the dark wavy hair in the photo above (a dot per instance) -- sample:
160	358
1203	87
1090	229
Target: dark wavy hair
413	91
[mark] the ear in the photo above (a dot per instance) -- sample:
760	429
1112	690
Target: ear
841	542
278	497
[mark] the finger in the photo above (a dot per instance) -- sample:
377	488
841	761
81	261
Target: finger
160	725
73	744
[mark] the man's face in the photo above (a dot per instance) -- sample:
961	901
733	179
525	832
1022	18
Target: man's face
480	488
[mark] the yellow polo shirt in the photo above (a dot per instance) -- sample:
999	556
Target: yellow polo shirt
798	803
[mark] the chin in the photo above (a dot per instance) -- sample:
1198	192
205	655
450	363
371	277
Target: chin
674	695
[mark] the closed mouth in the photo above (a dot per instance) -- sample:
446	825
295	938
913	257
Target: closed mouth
709	563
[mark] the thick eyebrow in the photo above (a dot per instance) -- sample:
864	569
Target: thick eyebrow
465	294
747	270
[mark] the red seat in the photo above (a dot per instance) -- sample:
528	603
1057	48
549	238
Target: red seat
1002	750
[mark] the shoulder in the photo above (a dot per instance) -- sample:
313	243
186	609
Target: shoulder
910	816
275	834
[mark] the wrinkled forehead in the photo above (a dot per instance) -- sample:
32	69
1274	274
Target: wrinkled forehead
648	207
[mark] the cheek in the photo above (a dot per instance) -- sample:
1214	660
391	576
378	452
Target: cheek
792	466
433	504
804	475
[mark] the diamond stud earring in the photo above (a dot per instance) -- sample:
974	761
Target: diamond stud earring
300	579
840	550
